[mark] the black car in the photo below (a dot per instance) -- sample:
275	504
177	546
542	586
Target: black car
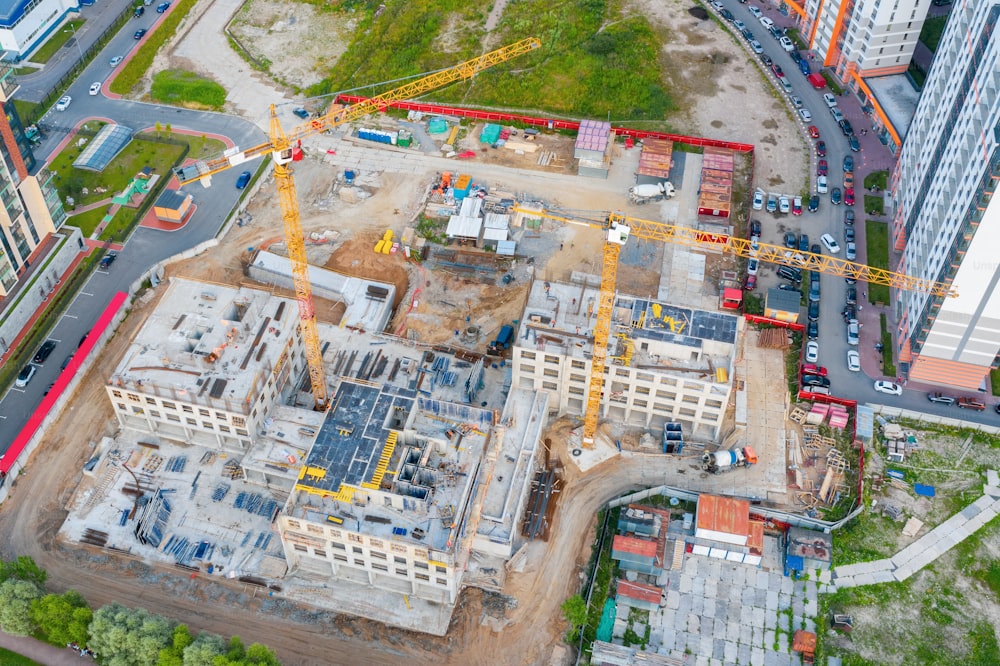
790	274
814	203
849	312
162	7
44	351
766	59
726	14
814	290
854	143
754	228
108	259
852	295
941	398
815	380
788	287
849	217
804	243
66	362
812	331
796	56
790	240
845	127
849	234
139	34
813	312
747	34
848	163
814	248
139	11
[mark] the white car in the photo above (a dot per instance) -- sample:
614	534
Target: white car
837	115
853	332
758	200
63	103
754	10
739	25
23	377
756	47
805	115
830	100
784	205
95	87
796	101
853	361
786	44
812	352
753	266
821	185
852	251
116	61
888	388
830	243
766	22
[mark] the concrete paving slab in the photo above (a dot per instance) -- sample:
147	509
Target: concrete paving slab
718	628
751	577
759	597
748	596
757	657
757	636
763	580
697	605
731	653
709	607
884	577
784	601
693	624
812	594
667	617
771	602
774	582
733	631
783	641
701	660
698	586
787	585
865	579
692	643
740	576
673	599
669	639
716	662
771	620
812	608
810	624
712	588
718	649
686	583
743	654
707	648
757	617
770	658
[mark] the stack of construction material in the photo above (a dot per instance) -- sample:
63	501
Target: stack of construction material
838	416
817	414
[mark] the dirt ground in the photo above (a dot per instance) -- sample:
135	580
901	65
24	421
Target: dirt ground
33	513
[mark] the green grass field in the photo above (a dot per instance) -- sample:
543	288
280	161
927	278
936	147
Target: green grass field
180	88
879	179
56	41
930	35
133	71
877	244
8	658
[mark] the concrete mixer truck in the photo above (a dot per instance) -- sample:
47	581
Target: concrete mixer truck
641	194
725	461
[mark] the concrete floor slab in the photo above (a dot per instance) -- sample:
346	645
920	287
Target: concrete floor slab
733	632
731	650
757	657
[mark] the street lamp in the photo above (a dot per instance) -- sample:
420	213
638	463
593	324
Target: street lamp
78	48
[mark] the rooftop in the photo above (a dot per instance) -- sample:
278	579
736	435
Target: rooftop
103	148
896	96
810	544
634	545
786	301
209	341
723	514
639	591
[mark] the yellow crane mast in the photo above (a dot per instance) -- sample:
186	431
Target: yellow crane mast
285	149
619	227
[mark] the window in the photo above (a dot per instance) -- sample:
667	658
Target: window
314	529
401	572
294	523
641	404
377	555
220	416
207	425
441	569
187	409
396	548
133	397
239	421
642	390
399	560
338	546
380	567
224	428
150	401
376	543
299	547
621	373
577	378
356	538
644	377
550	386
193	422
552	359
441	581
117	394
339	558
421	565
551	373
576	390
422	577
169	405
155	414
318	552
579	365
527	368
357	550
360	563
172	417
121	406
204	412
528	355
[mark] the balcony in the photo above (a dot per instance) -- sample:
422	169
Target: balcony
8	82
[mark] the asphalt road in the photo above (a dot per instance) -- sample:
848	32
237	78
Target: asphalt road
146	247
829	219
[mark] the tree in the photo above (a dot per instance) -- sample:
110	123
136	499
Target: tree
261	655
173	654
15	606
125	636
575	611
23	568
204	650
62	618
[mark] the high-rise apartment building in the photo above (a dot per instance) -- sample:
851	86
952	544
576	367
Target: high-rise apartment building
31	209
946	223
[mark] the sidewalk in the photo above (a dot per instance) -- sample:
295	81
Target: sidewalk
43	653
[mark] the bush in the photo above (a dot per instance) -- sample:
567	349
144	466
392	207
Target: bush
133	71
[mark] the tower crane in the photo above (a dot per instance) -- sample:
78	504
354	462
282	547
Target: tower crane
286	148
619	227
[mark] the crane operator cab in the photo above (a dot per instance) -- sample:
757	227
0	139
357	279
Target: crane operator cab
618	233
290	154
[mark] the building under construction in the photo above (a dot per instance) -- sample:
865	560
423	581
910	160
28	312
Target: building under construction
413	482
665	363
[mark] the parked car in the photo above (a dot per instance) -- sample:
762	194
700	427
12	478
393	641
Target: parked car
765	21
789	273
815	380
806	116
740	25
813	369
754	228
243	180
853	361
852	295
812	351
812	312
941	398
813	203
821	148
849	217
848	179
750	283
845	127
830	99
796	101
64	103
726	14
849	196
791	241
848	163
753	265
44	351
835	195
139	11
66	362
777	70
784	205
787	287
756	46
822	168
772	203
830	243
796	56
803	243
812	330
851	252
23	377
786	44
853	142
301	112
837	115
849	234
888	388
106	262
821	185
814	290
797	206
971	403
758	200
766	59
853	332
813	132
755	11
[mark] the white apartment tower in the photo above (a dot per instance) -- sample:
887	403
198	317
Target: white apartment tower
946	223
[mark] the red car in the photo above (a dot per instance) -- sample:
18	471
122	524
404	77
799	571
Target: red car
812	369
797	206
849	196
777	71
821	148
821	168
813	132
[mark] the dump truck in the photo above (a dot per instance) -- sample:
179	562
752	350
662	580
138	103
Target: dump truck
725	461
641	194
502	342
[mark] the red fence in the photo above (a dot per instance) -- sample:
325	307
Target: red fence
45	406
551	123
758	319
827	399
